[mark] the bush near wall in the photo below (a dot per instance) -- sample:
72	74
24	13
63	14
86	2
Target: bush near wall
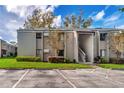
28	58
57	59
114	61
103	60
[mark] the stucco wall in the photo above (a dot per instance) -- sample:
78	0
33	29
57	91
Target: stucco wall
46	46
70	45
96	44
76	46
26	44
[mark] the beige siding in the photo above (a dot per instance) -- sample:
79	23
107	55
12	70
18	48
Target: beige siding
96	44
70	45
27	44
46	46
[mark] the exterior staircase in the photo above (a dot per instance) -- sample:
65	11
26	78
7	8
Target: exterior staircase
82	55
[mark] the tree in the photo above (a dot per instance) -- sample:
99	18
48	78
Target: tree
87	23
121	9
116	43
74	21
39	19
67	22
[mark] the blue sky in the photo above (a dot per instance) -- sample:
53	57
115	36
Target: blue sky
12	17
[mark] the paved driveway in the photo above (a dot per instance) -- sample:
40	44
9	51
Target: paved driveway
80	78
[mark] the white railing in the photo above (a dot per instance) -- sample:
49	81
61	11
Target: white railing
82	55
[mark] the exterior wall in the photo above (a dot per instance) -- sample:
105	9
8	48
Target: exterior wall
76	46
70	45
96	44
47	46
47	49
27	44
104	45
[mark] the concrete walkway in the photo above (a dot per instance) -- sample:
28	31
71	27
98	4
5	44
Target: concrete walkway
79	78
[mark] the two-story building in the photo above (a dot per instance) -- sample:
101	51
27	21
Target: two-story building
83	45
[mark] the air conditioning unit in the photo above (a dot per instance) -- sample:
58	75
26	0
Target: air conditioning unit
46	50
46	34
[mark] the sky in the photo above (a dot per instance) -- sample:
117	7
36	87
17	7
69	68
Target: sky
12	17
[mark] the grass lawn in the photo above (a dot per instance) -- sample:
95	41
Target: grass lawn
112	66
11	63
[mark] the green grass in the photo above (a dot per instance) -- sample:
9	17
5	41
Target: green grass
112	66
11	63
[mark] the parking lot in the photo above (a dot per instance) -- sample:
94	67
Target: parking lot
79	78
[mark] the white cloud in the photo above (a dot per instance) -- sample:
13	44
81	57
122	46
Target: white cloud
121	27
1	37
57	21
99	15
12	26
113	18
23	11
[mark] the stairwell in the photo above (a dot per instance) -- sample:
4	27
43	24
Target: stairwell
82	56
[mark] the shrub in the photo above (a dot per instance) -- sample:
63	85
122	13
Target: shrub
28	58
97	59
69	61
56	59
115	61
103	60
121	60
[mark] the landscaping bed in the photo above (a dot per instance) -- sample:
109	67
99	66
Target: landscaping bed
11	63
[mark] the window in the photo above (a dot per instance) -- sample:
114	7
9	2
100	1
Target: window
46	34
60	52
102	52
103	36
38	52
38	35
3	52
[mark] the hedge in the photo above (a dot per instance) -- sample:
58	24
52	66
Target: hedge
115	61
103	60
57	59
28	58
